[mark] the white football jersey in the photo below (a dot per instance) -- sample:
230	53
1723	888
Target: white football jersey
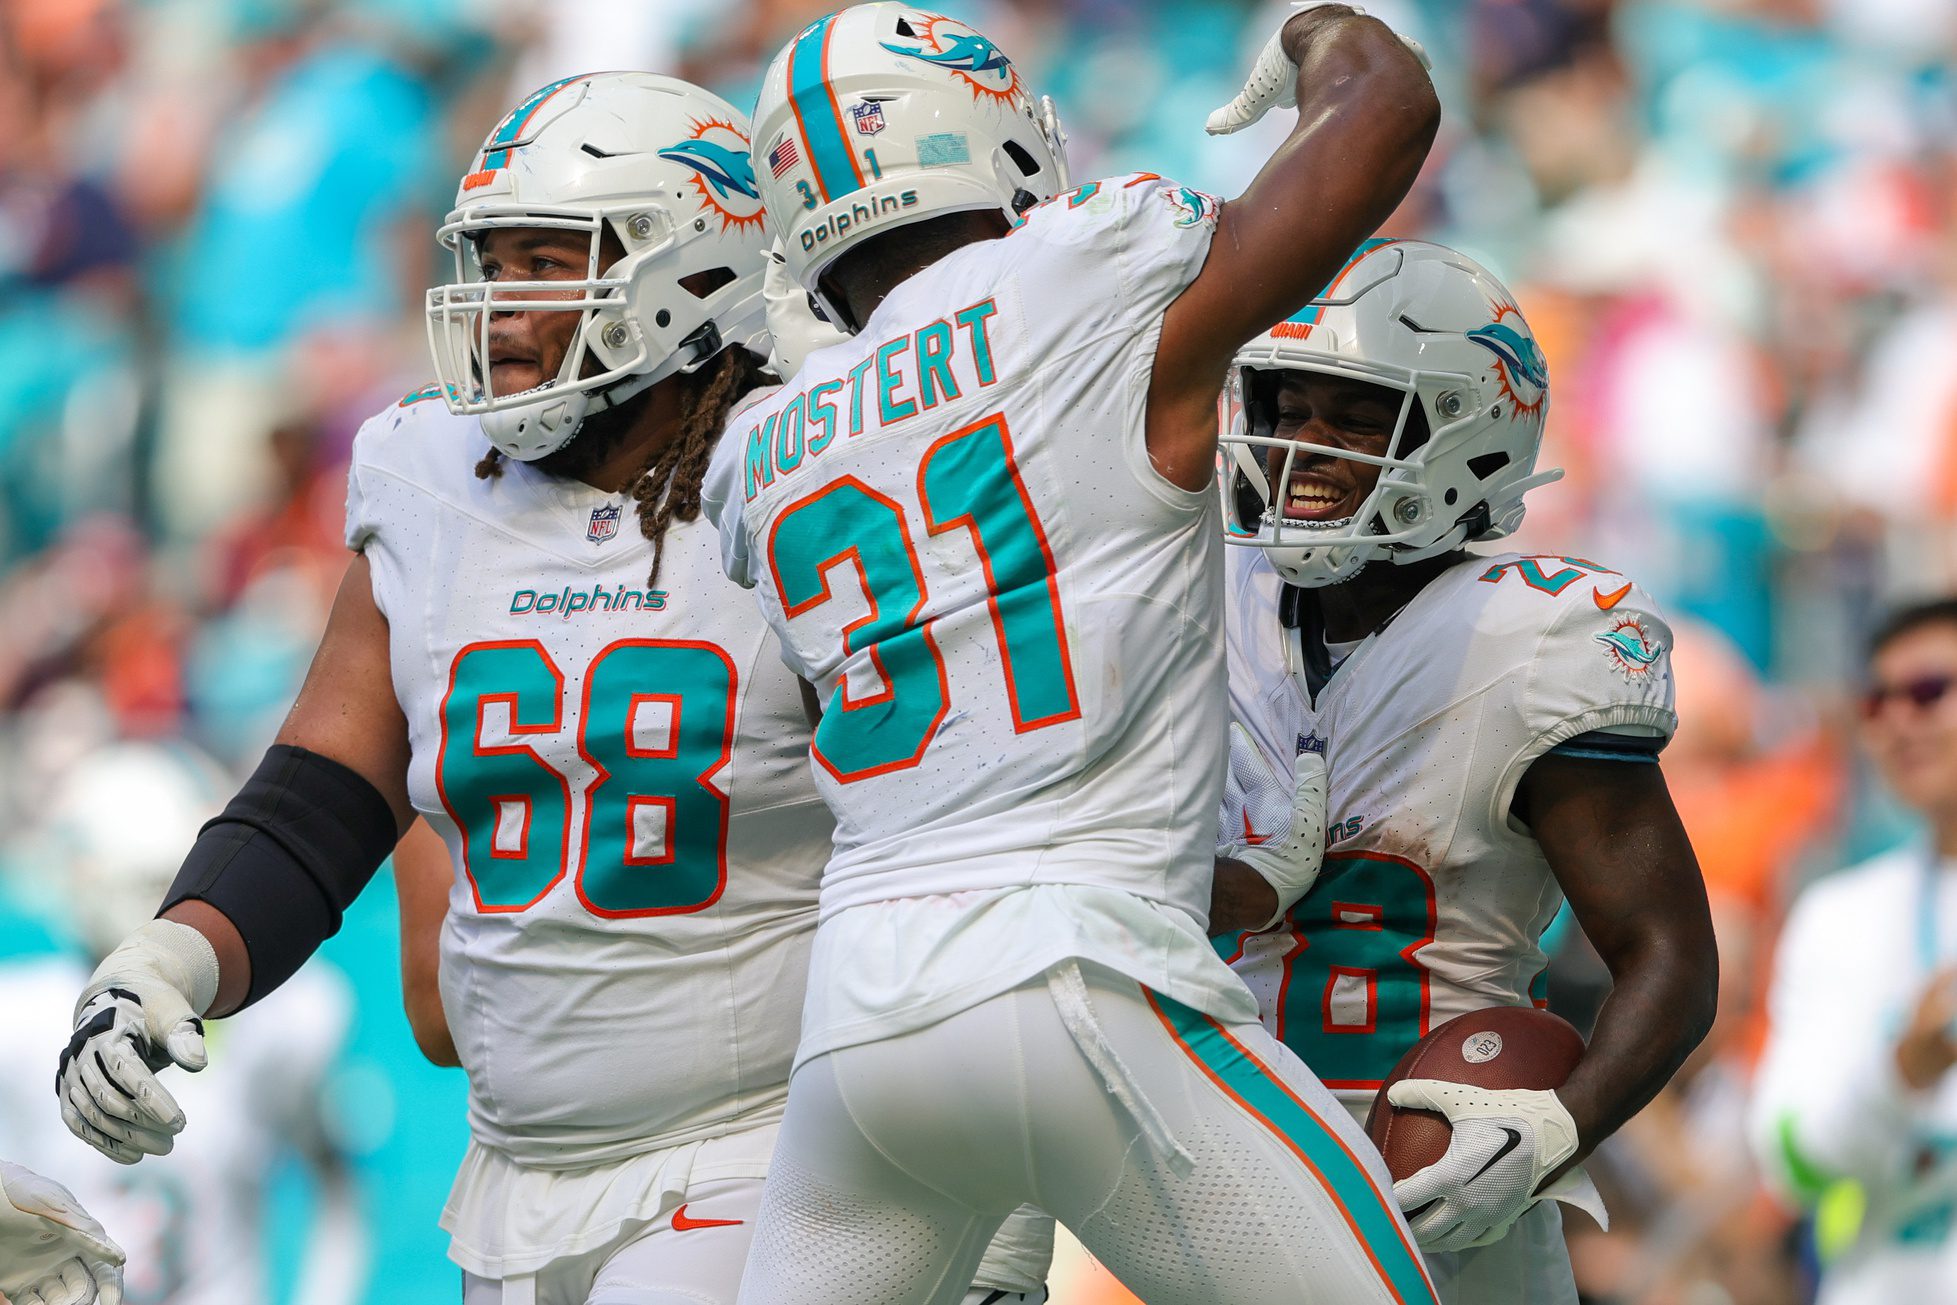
622	777
192	1222
1433	899
1014	620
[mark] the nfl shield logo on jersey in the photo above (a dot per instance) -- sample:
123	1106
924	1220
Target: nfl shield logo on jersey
869	117
604	523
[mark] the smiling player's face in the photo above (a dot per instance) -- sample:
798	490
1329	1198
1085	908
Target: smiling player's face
1338	413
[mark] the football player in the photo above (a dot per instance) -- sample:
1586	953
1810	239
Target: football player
1491	727
51	1250
985	527
534	651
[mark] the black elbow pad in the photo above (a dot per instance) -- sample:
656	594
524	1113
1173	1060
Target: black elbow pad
286	858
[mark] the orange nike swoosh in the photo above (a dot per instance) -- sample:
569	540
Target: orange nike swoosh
683	1224
1606	601
1251	837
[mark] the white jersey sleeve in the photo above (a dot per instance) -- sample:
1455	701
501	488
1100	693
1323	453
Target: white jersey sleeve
368	501
1600	664
720	497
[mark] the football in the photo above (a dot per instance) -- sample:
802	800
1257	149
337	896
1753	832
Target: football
1501	1047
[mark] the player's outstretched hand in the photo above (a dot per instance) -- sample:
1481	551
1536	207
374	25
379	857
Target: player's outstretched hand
1282	833
51	1251
1273	81
1505	1143
138	1014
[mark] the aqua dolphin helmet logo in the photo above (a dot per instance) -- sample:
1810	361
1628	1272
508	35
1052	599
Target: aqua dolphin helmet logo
726	170
972	54
723	172
1522	355
951	45
1518	360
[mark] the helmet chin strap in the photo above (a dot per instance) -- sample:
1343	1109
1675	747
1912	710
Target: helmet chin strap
614	395
576	408
1447	543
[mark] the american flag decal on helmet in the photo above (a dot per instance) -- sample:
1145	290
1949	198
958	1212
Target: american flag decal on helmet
783	156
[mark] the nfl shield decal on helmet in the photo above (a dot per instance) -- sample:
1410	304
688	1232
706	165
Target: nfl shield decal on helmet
604	523
868	115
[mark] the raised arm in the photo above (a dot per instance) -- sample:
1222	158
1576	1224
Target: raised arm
1367	115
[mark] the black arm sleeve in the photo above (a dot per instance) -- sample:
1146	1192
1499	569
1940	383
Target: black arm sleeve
287	857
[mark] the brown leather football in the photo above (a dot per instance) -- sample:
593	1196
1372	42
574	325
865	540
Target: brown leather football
1501	1047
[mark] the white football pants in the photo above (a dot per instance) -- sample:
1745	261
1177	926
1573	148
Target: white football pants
1202	1164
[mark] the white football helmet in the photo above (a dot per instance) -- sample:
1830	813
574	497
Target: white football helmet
884	115
664	167
1436	326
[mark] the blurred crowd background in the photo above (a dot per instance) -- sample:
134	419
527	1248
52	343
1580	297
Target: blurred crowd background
1733	223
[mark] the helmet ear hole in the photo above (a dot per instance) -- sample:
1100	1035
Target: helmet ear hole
1022	158
702	284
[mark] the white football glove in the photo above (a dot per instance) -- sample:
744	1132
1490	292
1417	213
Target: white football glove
1504	1143
794	330
51	1251
1273	82
1276	829
139	1013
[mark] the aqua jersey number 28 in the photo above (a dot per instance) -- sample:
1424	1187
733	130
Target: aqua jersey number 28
1354	995
969	481
655	724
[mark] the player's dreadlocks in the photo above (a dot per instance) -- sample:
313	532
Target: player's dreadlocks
668	488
